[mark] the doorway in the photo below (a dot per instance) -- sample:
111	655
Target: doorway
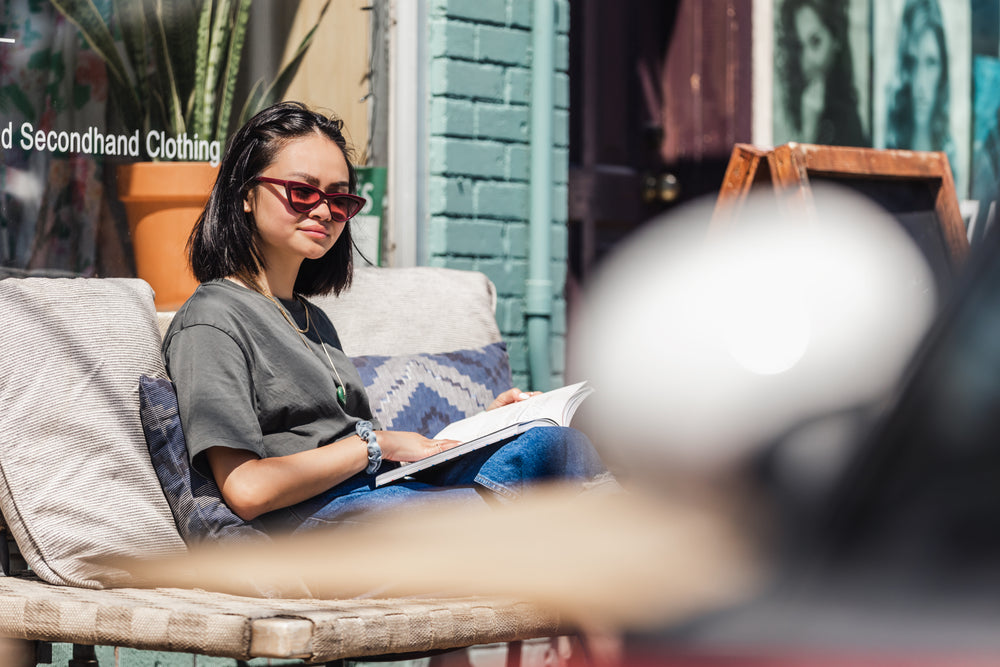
660	91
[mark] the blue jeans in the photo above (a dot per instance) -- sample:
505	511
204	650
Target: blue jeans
499	472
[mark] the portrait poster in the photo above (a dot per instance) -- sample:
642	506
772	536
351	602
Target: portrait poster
821	72
922	80
985	175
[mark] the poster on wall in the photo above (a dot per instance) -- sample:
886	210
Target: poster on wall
821	56
984	177
922	79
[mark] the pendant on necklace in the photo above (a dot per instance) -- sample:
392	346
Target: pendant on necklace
342	395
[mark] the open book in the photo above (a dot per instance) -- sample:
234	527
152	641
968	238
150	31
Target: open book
553	408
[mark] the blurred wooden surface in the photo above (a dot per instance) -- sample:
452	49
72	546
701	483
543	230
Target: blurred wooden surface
792	169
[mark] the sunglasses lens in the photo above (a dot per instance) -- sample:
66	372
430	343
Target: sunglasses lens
303	199
347	206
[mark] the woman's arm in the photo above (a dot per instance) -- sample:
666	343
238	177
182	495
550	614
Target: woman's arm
252	486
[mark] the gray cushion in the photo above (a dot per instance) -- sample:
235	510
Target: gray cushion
411	310
76	482
414	310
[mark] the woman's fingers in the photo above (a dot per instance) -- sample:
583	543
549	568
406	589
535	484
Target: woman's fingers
512	396
443	445
409	446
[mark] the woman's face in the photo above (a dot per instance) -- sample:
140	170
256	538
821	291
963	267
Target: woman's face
924	61
818	44
284	234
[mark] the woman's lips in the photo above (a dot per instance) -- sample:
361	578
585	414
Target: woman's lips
315	232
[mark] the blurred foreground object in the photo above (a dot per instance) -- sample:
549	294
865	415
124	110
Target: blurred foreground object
898	563
15	653
607	561
703	347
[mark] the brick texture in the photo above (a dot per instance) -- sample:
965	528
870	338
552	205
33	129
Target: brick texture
479	160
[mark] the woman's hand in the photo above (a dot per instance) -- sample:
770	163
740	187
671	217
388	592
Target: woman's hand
511	396
409	446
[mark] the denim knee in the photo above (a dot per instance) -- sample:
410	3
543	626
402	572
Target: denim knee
541	454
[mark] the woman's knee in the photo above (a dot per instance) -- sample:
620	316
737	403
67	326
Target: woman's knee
568	450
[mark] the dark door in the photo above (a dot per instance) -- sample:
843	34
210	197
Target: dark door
659	93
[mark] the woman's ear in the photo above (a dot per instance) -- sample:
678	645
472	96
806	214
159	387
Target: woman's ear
247	204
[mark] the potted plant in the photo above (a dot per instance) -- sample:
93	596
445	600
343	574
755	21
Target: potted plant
172	83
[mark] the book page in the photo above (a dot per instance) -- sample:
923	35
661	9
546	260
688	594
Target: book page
556	406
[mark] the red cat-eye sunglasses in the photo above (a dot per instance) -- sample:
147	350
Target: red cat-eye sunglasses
303	198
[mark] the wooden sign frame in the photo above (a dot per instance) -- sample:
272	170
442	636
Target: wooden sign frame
789	169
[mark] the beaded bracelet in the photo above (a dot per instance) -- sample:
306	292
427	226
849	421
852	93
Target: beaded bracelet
366	432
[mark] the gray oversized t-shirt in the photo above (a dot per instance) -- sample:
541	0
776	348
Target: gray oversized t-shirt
245	379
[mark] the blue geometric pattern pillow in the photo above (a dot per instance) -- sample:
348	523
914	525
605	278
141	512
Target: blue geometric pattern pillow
426	392
196	502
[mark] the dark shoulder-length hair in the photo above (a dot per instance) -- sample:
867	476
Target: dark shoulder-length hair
840	85
225	240
919	16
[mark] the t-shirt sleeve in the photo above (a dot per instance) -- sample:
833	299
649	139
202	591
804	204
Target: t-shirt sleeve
215	393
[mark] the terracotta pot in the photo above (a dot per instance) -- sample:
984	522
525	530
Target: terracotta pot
163	201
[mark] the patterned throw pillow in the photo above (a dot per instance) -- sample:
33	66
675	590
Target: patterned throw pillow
195	501
425	392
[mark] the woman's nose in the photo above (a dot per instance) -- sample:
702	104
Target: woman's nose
325	210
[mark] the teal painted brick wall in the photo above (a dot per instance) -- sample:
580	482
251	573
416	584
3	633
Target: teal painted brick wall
479	160
109	656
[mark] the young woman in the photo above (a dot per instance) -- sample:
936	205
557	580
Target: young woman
271	407
918	115
815	62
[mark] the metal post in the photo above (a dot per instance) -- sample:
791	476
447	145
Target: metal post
538	290
83	656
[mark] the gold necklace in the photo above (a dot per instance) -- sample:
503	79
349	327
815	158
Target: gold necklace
341	389
285	314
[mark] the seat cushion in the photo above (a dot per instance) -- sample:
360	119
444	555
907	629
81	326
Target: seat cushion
426	392
411	310
196	502
76	482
